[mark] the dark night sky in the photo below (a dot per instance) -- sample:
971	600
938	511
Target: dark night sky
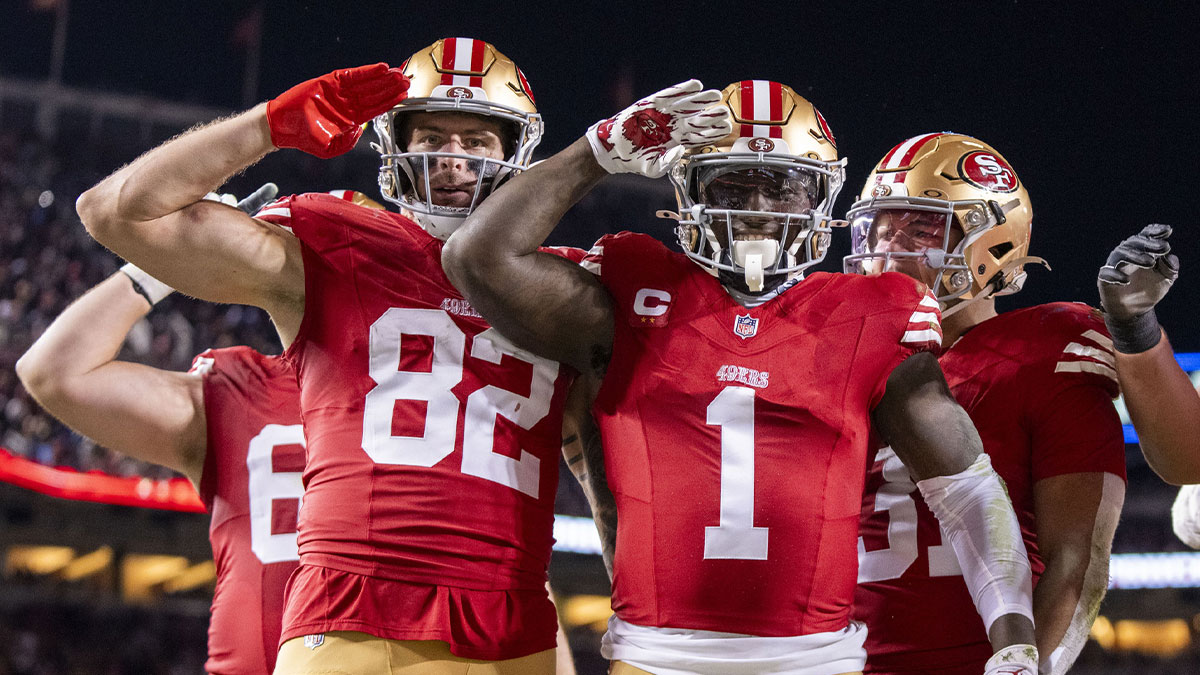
1092	104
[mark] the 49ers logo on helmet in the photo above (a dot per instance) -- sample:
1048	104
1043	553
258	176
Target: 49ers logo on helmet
986	170
761	144
459	92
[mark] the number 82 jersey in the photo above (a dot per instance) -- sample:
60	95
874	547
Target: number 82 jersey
735	439
433	445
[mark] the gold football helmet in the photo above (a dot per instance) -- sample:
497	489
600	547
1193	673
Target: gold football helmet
947	206
757	203
461	75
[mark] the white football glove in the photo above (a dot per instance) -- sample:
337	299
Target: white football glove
1013	660
1185	515
650	135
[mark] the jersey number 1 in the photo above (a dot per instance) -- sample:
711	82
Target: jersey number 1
736	537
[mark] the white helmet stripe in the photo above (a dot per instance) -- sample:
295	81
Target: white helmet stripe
896	157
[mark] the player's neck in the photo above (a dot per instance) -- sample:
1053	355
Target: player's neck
958	323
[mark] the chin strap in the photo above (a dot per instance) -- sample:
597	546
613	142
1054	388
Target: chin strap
995	288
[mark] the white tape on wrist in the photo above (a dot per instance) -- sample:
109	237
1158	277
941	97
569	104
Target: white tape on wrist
1013	660
146	286
978	519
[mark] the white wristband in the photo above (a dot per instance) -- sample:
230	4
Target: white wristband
147	286
1013	660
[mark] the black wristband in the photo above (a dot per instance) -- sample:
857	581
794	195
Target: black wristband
1136	335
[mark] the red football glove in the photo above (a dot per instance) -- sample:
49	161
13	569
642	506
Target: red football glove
324	116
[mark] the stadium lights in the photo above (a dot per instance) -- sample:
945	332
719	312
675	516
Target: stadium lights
38	560
1164	638
88	564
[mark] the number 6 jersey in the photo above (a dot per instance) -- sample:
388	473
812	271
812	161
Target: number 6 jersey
251	486
735	439
433	446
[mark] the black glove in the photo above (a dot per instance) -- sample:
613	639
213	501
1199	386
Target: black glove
1137	274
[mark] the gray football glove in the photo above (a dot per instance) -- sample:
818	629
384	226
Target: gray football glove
1136	276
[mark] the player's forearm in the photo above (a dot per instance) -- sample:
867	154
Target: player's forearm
1165	410
1065	603
542	302
87	335
175	174
516	220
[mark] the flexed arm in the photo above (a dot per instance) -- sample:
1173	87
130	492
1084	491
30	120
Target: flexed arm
542	302
152	414
936	440
1162	403
151	211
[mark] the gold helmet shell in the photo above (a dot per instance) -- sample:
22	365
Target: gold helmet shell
462	75
774	130
979	193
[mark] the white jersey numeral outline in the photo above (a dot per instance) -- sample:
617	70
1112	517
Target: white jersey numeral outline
895	496
264	486
442	406
735	537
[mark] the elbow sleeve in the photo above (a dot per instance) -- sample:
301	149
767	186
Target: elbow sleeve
977	519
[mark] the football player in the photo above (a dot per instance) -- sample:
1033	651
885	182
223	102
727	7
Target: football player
949	211
734	395
1160	397
231	424
432	441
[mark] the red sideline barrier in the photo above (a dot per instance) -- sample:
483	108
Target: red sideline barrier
175	494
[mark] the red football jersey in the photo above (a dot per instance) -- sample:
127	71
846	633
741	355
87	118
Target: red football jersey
433	443
735	439
251	485
1038	384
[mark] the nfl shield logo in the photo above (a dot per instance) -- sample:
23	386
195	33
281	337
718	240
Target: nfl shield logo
314	641
745	326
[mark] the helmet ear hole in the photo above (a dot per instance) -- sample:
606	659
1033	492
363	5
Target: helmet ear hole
999	250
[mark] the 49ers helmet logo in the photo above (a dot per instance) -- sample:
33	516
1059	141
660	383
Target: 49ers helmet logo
761	144
986	170
459	92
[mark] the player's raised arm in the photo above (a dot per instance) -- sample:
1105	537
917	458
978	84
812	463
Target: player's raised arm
935	439
151	211
545	303
1161	401
151	414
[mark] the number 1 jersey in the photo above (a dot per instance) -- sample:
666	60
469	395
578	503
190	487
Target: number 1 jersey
251	486
735	439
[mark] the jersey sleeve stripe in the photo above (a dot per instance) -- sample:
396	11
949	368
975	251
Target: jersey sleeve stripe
1100	339
1093	353
1086	367
280	211
925	317
921	337
593	260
